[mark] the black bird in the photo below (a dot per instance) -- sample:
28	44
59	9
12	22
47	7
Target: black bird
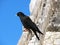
28	24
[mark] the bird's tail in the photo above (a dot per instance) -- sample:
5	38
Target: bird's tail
36	35
39	32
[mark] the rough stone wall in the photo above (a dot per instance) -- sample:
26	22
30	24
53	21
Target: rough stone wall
52	38
46	15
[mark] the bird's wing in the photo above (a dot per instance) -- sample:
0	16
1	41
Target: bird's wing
29	23
32	25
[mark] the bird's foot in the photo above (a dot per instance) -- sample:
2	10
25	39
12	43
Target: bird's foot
25	30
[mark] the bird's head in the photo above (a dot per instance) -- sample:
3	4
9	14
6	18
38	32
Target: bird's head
20	14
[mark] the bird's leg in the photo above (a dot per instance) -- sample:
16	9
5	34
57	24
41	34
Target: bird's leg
29	34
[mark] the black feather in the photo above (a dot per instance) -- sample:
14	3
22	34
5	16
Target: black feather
28	24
